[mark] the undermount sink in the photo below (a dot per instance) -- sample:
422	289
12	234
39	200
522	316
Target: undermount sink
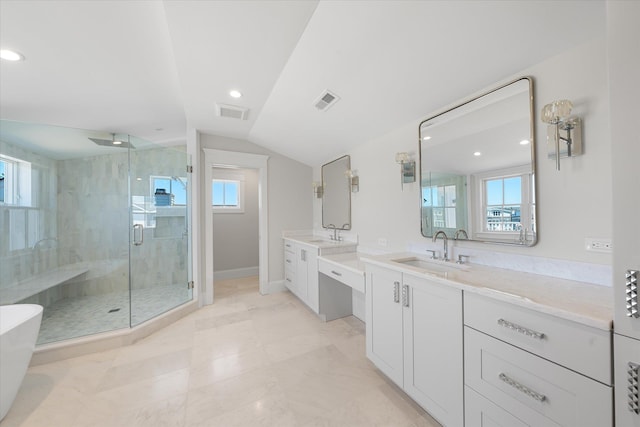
430	266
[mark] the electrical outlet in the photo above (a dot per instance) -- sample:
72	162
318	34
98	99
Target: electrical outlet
382	242
598	245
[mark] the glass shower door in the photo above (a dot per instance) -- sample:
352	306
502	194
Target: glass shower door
159	233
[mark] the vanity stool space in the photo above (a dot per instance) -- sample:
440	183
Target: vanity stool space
302	278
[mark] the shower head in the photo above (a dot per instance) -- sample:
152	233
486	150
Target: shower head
177	178
113	142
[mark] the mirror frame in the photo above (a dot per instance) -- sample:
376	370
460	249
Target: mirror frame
347	225
534	192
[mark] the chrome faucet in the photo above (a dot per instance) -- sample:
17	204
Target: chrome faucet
460	231
335	231
445	255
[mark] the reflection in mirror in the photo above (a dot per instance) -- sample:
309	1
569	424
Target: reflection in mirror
336	197
477	168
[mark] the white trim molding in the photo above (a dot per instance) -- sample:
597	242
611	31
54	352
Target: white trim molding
231	159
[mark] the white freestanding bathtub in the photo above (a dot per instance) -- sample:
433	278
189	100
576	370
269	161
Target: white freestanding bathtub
19	327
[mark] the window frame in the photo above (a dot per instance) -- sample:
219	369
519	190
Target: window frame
229	176
527	203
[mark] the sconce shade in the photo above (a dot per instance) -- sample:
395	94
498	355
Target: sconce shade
556	111
402	157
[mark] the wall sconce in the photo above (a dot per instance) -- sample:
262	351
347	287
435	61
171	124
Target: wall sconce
354	180
562	128
318	189
407	168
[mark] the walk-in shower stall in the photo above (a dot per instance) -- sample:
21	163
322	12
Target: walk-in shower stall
93	226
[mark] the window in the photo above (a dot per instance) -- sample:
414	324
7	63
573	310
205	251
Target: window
175	187
441	200
504	206
226	195
16	181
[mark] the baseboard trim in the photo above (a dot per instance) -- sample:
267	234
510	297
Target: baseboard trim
276	286
236	273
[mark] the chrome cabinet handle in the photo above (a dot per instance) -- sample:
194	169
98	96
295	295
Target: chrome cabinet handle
522	388
140	228
396	291
521	329
631	279
405	295
303	255
632	387
336	273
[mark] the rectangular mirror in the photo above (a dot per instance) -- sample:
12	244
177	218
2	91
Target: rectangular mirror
477	168
336	196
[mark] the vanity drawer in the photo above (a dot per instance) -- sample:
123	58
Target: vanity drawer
571	344
481	412
289	260
288	246
341	274
532	389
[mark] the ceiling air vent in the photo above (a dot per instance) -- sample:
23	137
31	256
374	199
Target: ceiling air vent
232	112
326	100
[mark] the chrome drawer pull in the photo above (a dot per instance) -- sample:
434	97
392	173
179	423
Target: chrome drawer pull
521	388
405	295
632	387
396	291
631	281
289	261
521	329
336	273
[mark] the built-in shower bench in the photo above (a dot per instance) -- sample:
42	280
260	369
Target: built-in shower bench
18	291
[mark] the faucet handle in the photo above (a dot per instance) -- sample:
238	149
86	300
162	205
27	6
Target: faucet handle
461	260
433	254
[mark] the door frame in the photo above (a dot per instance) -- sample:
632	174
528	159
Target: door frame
230	159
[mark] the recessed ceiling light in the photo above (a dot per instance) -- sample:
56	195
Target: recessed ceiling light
477	153
524	142
138	179
235	94
116	142
426	138
11	55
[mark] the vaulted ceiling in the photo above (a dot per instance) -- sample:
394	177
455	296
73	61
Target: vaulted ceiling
157	68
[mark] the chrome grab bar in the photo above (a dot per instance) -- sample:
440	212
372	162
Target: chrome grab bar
139	227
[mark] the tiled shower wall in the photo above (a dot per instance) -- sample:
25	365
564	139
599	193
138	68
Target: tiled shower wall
37	220
83	203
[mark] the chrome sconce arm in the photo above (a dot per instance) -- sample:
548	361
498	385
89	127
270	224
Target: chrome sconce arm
562	128
354	180
318	189
407	168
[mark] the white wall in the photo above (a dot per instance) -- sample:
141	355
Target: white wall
573	203
290	194
235	234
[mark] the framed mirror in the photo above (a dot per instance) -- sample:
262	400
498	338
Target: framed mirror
477	168
336	195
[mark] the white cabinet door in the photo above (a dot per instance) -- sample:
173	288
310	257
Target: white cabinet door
627	371
433	357
384	321
302	271
313	292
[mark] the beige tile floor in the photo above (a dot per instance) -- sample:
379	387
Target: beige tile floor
247	360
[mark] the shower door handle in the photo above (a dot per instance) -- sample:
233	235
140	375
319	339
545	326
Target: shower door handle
139	227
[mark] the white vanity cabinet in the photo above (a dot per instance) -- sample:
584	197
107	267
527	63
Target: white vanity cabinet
535	368
414	335
301	271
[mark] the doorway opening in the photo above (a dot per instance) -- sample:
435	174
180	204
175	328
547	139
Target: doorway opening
235	184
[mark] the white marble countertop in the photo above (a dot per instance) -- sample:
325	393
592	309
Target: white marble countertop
350	261
585	303
319	241
18	291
